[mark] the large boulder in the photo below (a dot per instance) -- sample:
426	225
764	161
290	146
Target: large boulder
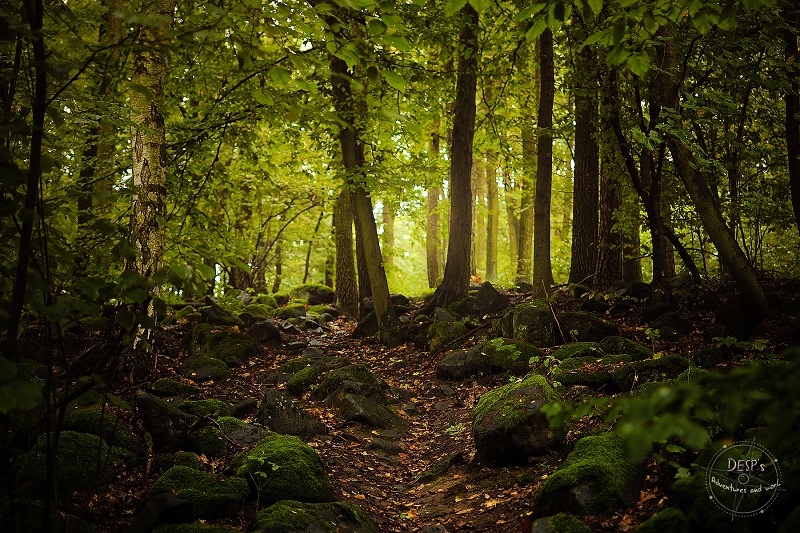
632	375
533	323
597	477
282	467
265	331
314	294
440	334
615	345
253	313
83	461
357	408
217	316
490	300
209	497
578	349
281	413
590	371
168	426
228	346
101	421
290	516
208	408
350	379
586	327
509	426
560	523
492	357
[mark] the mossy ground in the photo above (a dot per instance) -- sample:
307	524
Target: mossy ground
211	408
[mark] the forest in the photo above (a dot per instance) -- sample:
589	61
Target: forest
432	265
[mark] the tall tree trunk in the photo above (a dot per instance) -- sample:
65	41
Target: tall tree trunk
310	248
276	284
388	232
480	217
511	194
366	228
524	253
610	253
631	255
148	138
585	204
346	285
754	303
455	283
492	218
542	269
793	112
432	245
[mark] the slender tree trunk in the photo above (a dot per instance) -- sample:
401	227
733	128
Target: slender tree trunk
753	299
542	270
585	204
492	218
388	232
432	246
455	283
311	243
346	284
525	236
276	285
148	139
366	228
793	114
511	194
480	217
610	252
631	255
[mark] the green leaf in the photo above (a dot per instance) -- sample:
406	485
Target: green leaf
595	5
20	394
376	27
398	42
674	448
394	80
536	29
125	318
479	5
206	271
373	74
451	7
280	75
639	63
262	98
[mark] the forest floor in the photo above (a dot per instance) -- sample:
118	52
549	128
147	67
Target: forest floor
471	495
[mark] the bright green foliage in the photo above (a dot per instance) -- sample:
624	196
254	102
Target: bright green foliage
283	467
209	497
507	353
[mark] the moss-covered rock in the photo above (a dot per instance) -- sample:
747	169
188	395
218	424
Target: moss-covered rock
252	313
292	310
323	309
100	421
620	345
314	294
193	528
283	414
302	380
466	306
578	349
508	424
284	467
209	441
597	477
216	315
171	387
509	354
28	515
184	458
289	516
209	497
229	346
586	327
210	408
350	379
205	368
266	299
440	334
670	519
531	322
83	461
589	371
634	374
357	408
168	426
560	523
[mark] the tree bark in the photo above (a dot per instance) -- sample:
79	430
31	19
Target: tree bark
754	303
492	218
346	286
367	229
148	139
524	253
585	204
455	283
542	269
432	244
276	284
793	114
610	253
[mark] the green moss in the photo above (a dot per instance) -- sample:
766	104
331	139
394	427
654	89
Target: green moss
208	496
193	528
513	412
337	376
597	461
266	299
314	293
209	441
295	365
190	459
284	467
319	309
282	298
578	349
229	423
100	421
231	347
668	367
258	312
171	387
292	310
621	345
83	461
440	334
566	523
211	408
503	353
669	519
289	516
303	379
572	372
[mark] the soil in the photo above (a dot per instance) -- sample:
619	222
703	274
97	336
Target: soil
471	495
